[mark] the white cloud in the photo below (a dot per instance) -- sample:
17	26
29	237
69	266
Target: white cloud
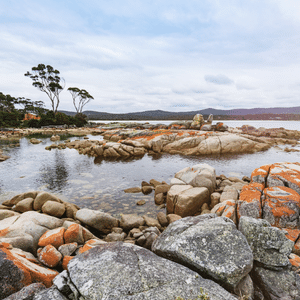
140	55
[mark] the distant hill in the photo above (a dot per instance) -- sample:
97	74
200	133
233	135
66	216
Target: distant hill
285	113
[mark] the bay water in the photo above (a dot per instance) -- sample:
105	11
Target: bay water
99	184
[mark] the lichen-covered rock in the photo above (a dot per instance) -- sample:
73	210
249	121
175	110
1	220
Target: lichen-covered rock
285	174
16	272
269	245
249	203
125	271
54	237
27	292
260	174
50	294
210	245
49	256
24	231
281	207
226	209
276	285
74	234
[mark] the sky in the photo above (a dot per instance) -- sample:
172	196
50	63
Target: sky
137	55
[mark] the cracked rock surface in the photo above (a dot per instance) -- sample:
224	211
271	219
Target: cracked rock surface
126	271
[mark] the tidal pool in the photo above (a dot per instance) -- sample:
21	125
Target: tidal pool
99	184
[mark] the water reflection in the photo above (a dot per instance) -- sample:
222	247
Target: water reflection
99	184
55	174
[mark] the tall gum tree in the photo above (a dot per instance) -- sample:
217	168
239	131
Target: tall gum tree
82	96
47	80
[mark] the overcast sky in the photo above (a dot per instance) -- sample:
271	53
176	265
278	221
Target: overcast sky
177	55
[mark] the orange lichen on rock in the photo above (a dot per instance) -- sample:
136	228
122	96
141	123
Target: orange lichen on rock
260	174
251	192
49	256
287	174
294	260
90	244
54	237
281	207
65	261
32	271
5	245
292	234
74	234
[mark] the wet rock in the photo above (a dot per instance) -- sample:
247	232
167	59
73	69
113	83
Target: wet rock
146	190
141	202
151	222
172	218
133	190
42	198
53	208
162	219
160	199
24	205
129	221
97	219
195	242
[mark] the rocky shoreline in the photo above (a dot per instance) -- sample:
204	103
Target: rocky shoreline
220	238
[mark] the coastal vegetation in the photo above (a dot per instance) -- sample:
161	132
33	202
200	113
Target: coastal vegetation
14	112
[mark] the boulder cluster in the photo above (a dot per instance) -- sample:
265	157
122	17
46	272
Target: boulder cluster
221	238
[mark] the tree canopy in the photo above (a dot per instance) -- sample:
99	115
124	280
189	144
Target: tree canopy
82	96
47	80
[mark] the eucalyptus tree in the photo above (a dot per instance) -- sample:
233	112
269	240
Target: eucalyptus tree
82	96
47	80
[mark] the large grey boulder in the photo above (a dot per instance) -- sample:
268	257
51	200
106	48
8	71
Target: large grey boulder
97	219
269	245
201	175
276	285
50	294
208	244
125	271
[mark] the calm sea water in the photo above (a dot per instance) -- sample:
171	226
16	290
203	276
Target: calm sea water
99	184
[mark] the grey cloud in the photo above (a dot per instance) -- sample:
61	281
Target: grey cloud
218	79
